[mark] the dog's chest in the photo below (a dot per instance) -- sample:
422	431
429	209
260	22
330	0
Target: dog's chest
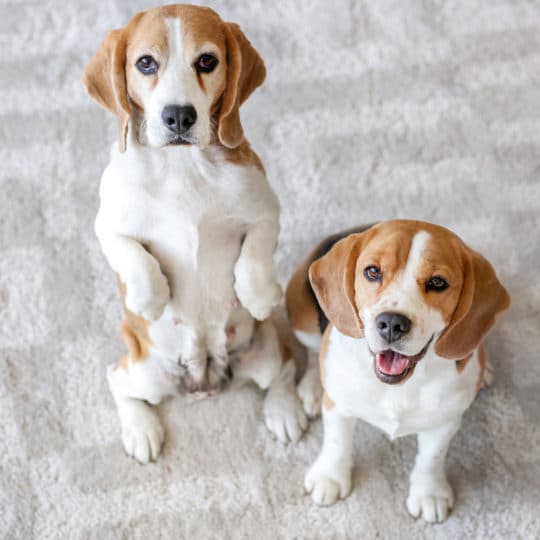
149	196
190	214
433	395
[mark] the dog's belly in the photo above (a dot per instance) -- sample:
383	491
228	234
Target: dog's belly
188	225
432	396
198	260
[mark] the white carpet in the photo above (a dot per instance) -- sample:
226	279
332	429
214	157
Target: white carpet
371	110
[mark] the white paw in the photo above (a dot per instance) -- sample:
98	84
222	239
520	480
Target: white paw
257	291
142	434
433	504
327	484
283	415
147	294
310	392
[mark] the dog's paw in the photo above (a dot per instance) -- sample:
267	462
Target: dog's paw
327	484
284	415
142	434
432	503
310	392
147	294
257	291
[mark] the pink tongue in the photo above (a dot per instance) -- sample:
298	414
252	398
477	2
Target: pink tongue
392	363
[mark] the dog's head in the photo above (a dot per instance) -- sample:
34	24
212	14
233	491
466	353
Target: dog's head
407	286
179	73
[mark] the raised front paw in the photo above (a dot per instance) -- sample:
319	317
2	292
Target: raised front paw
259	297
147	294
328	482
430	499
142	433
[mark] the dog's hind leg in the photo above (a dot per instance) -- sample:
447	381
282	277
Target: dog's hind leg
137	382
271	366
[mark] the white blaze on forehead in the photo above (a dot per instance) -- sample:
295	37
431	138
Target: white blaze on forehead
418	247
174	39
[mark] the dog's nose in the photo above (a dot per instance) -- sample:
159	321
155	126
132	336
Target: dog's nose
392	326
179	118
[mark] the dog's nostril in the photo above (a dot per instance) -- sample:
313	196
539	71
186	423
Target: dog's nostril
170	121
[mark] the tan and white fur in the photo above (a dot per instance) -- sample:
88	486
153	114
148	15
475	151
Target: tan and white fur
188	221
417	375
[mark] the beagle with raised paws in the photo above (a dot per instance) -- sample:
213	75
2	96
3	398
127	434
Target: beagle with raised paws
188	220
403	308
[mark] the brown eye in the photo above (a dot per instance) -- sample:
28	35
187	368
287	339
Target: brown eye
373	273
147	65
436	283
206	63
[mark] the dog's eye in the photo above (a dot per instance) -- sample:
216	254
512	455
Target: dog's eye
147	65
206	63
436	283
373	273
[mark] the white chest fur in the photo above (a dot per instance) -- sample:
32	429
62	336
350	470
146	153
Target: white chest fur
434	393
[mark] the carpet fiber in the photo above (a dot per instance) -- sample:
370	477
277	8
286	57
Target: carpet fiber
371	110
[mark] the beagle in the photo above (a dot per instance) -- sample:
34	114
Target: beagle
188	220
403	308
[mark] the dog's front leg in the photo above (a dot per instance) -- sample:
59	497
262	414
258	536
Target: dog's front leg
255	280
329	478
430	494
147	289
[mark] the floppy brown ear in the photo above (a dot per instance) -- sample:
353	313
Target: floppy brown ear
245	72
482	298
332	278
104	78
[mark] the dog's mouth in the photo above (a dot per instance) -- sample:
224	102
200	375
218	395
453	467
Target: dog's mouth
180	141
392	367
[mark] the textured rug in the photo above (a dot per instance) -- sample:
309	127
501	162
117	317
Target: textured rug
371	110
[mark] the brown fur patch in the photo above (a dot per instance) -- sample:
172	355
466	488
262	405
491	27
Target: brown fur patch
242	155
300	302
323	351
460	364
134	330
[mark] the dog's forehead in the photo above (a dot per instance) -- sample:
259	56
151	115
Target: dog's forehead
197	26
419	247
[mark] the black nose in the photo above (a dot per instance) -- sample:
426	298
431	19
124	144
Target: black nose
179	118
392	326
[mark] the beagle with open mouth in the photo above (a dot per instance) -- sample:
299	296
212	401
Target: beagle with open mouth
403	308
188	220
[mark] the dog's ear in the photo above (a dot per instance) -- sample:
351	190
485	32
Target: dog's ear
482	298
332	278
104	78
245	72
